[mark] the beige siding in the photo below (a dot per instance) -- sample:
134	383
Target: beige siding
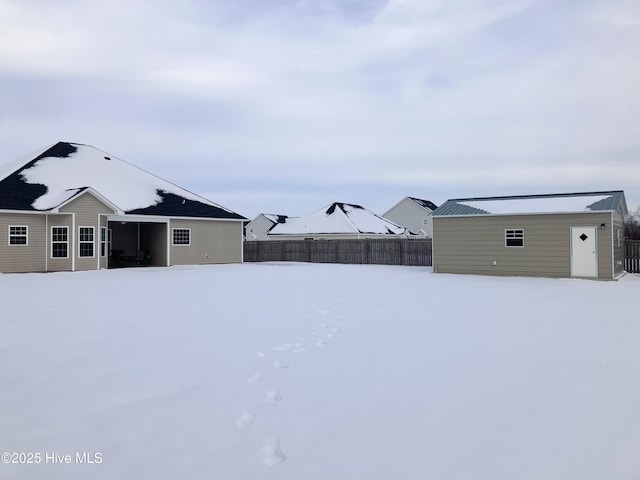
87	209
23	258
472	244
618	243
59	264
212	241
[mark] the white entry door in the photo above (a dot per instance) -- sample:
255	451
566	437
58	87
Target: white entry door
584	257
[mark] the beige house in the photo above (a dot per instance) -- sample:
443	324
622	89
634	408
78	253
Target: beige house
414	214
74	207
561	235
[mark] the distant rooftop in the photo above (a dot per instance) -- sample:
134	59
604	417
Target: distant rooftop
424	203
337	218
535	204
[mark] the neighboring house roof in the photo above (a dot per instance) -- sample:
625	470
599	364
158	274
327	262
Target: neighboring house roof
535	204
274	218
424	203
50	178
337	218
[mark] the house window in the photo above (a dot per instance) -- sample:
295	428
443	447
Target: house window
85	239
18	235
181	236
59	242
514	238
103	242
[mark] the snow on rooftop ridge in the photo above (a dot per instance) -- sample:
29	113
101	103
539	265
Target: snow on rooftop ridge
578	203
335	219
8	168
124	184
274	217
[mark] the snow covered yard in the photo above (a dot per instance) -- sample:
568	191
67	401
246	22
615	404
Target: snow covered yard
311	371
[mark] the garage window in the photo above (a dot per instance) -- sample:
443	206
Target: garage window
514	237
181	236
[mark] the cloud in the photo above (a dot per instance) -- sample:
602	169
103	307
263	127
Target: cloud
309	94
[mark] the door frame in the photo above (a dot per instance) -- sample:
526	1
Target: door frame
596	256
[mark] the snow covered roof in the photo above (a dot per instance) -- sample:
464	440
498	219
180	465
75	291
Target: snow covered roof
337	218
274	218
534	204
46	180
424	203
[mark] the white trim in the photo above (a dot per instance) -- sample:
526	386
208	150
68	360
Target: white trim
46	243
613	247
73	242
52	241
9	227
173	244
168	244
26	212
163	219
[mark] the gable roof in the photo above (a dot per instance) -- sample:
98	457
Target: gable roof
337	218
52	177
424	203
535	204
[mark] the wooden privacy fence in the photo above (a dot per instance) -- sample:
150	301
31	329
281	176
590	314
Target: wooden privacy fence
394	251
632	256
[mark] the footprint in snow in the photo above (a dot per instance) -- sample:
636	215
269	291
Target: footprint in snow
245	420
280	364
270	453
273	395
256	377
281	348
321	343
263	355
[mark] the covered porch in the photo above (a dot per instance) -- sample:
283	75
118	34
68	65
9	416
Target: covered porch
137	241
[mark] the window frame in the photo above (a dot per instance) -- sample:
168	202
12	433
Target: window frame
103	241
516	234
12	236
85	243
180	244
60	242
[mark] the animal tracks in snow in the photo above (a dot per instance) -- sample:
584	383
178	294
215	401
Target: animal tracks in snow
270	453
273	395
280	364
245	420
328	329
256	377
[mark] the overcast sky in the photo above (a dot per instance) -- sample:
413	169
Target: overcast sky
285	106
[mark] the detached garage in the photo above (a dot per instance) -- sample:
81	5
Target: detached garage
560	235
